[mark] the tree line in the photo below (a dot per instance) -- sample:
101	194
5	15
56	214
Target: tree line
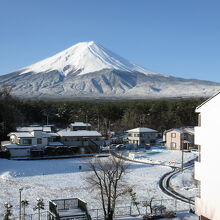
116	116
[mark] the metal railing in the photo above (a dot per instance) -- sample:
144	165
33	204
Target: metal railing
173	205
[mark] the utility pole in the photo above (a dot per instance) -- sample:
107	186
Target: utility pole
20	190
182	160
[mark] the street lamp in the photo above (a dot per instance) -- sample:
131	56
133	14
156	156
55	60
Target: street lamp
20	190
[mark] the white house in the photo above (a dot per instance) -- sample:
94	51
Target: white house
28	143
142	136
207	168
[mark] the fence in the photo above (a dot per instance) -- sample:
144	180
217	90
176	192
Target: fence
131	210
35	216
123	211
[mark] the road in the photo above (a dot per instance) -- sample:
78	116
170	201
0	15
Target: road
164	182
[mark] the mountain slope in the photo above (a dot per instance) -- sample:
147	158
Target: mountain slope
89	70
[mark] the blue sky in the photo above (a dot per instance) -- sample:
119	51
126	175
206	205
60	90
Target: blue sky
175	37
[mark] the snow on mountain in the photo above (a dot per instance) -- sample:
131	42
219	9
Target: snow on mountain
88	70
83	58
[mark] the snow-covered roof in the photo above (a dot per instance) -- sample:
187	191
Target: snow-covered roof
144	130
189	130
175	129
31	134
34	128
209	99
80	133
21	134
16	146
80	124
182	130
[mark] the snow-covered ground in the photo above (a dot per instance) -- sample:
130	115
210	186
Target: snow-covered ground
184	183
161	156
62	178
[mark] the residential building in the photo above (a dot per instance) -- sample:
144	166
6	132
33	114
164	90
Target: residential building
179	138
28	143
35	140
86	141
207	135
79	126
142	136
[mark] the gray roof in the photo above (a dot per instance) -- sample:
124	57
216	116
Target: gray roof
34	128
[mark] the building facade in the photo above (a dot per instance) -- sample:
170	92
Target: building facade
86	141
28	143
142	136
179	138
35	141
206	169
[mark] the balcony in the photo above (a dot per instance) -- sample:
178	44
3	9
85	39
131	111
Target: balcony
73	208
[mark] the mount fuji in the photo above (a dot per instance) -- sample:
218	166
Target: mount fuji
88	70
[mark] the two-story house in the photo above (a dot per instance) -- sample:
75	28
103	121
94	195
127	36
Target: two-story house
24	144
179	138
142	136
86	141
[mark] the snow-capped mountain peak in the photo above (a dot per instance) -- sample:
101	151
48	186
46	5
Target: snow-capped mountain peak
88	70
83	58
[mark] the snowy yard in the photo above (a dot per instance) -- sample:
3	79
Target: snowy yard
184	183
61	178
161	156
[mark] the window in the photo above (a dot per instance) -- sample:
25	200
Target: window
173	144
173	135
39	141
27	141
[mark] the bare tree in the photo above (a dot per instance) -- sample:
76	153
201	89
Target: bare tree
149	202
108	178
134	199
39	205
24	204
8	211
